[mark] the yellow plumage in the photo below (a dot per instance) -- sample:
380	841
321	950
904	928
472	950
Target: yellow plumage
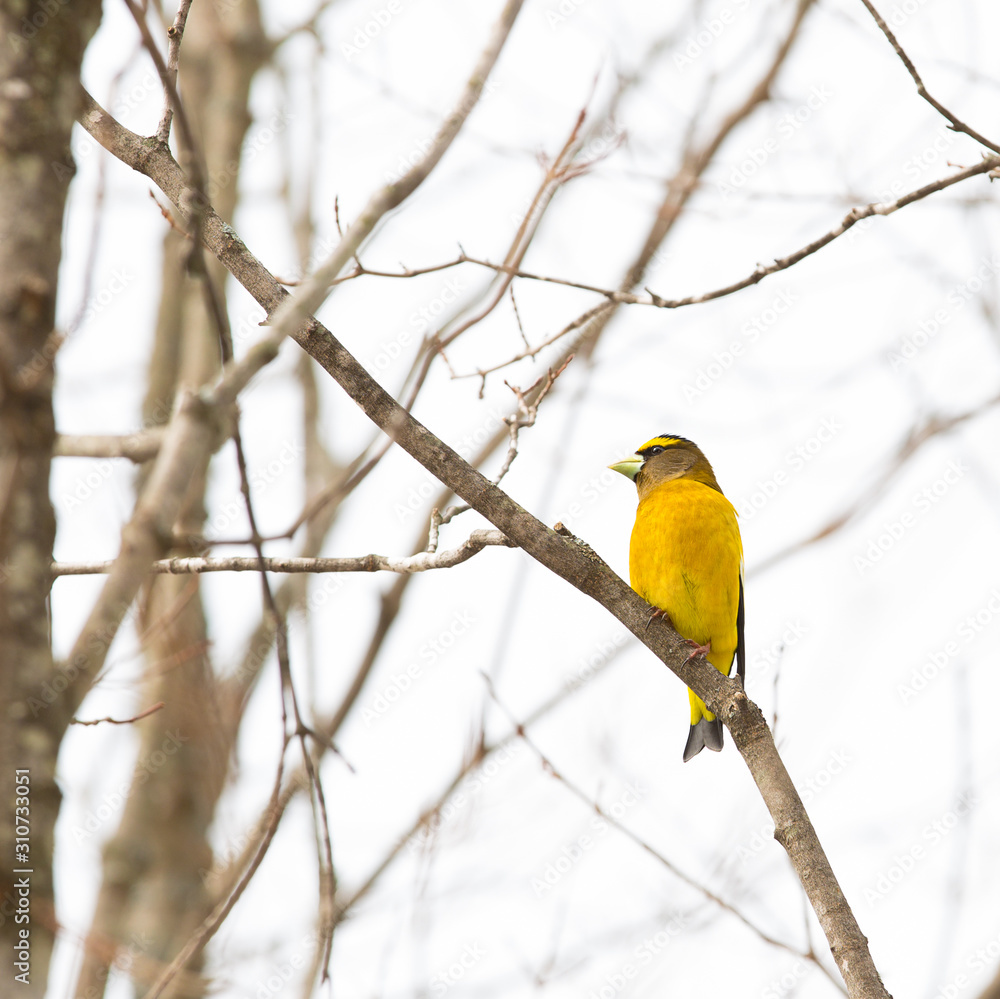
685	559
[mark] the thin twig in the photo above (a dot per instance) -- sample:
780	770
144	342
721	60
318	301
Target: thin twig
957	125
915	439
527	411
855	215
578	792
517	317
175	109
473	762
563	169
582	320
558	173
210	925
175	34
121	721
296	311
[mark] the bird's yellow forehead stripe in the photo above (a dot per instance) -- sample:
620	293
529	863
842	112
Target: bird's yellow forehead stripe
661	442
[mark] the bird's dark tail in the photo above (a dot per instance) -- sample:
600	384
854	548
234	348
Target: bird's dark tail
703	734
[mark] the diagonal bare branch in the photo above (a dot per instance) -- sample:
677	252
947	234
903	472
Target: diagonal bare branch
957	124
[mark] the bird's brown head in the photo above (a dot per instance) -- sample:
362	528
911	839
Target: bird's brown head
664	458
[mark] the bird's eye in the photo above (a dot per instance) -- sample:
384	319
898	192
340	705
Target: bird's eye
655	449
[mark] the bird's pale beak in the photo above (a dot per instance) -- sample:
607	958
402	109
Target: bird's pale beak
629	467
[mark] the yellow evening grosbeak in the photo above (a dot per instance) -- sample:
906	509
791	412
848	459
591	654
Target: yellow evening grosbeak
686	560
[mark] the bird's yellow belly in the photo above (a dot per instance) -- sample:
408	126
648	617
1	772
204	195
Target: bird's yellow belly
685	559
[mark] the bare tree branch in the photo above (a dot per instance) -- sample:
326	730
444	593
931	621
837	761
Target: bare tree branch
421	562
175	34
956	124
138	447
851	219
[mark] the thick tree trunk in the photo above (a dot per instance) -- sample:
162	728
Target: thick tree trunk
41	48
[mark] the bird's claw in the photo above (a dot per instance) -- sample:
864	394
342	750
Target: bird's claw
697	649
656	612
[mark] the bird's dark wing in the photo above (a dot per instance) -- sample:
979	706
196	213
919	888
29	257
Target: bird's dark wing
741	647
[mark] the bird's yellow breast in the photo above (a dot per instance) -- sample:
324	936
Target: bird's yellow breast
685	558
